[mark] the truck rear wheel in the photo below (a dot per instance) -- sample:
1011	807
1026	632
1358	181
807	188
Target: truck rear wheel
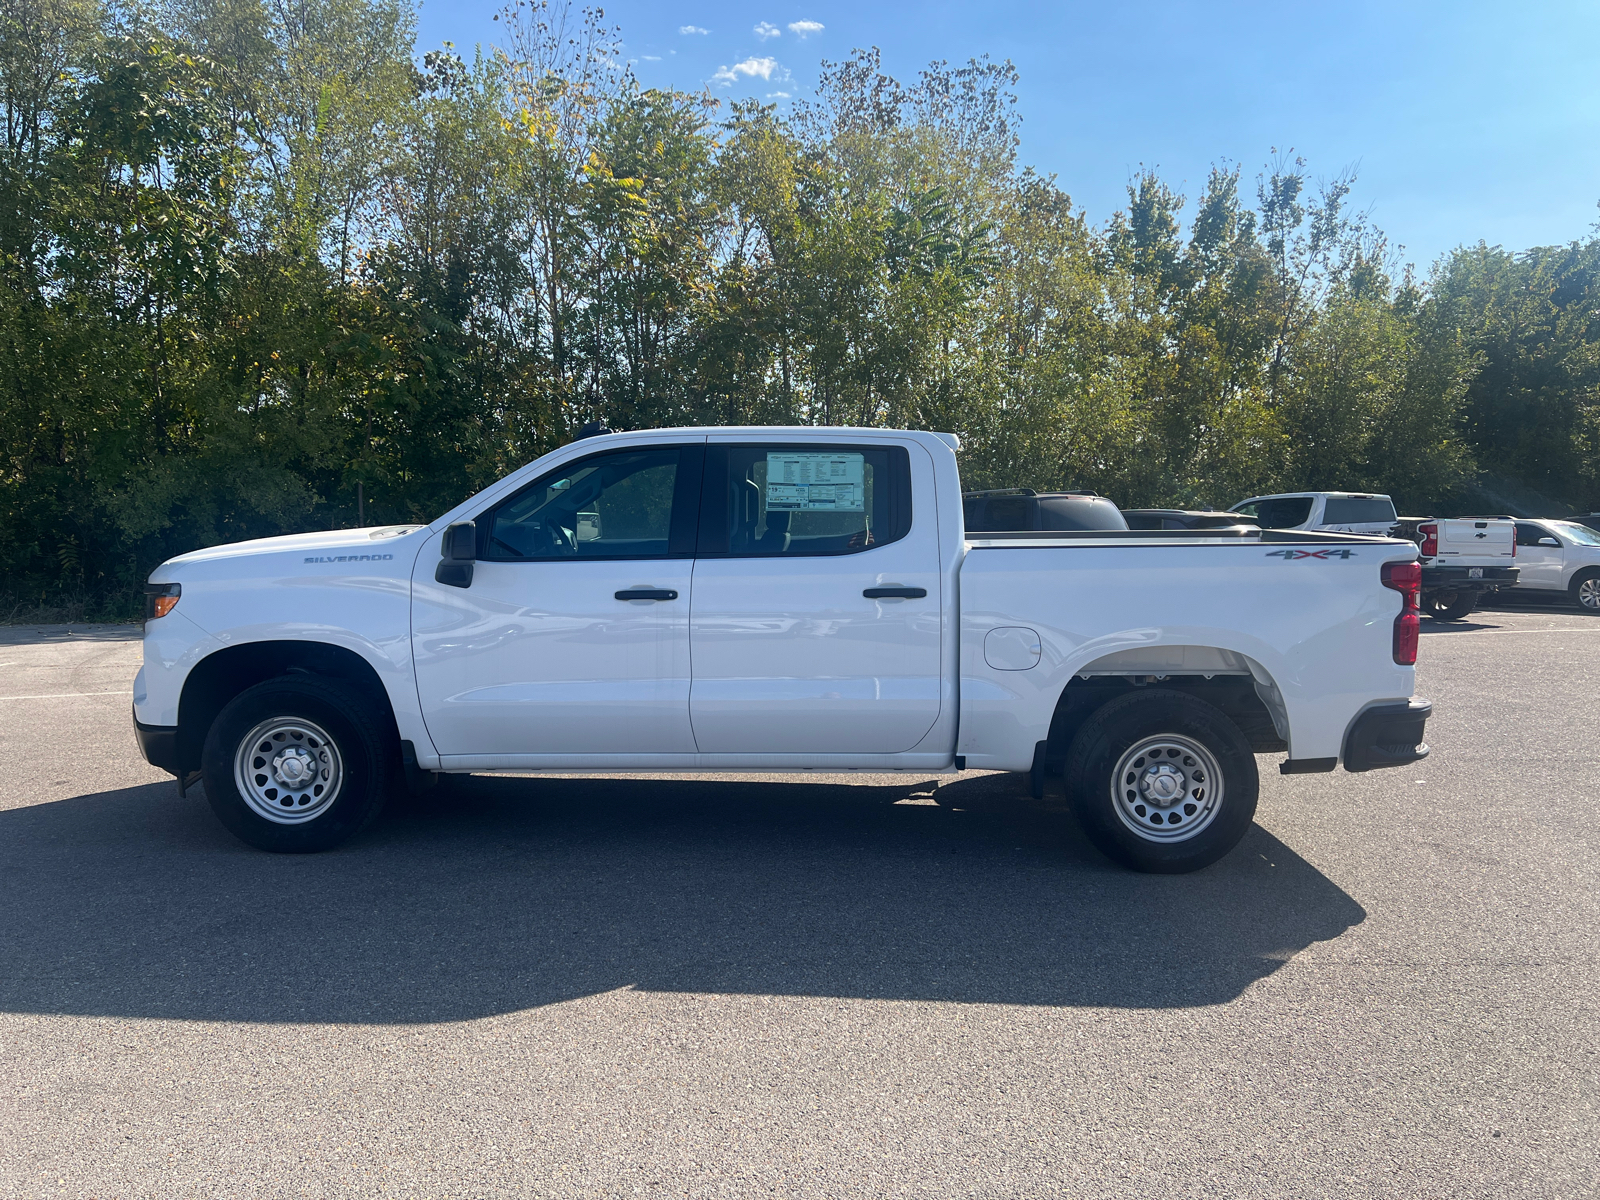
297	764
1162	781
1451	606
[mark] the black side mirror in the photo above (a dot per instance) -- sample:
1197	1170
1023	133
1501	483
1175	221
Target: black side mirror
460	552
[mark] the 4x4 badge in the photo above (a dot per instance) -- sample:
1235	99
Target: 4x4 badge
1288	555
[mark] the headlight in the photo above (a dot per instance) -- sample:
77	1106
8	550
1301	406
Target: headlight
160	599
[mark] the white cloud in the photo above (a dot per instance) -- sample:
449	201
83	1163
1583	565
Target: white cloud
765	31
651	57
755	68
692	29
777	95
804	29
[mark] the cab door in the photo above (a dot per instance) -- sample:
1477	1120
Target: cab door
572	639
815	627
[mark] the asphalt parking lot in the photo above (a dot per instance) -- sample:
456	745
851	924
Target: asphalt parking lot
755	986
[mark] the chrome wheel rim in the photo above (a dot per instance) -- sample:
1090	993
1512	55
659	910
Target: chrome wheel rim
1167	788
1589	594
288	770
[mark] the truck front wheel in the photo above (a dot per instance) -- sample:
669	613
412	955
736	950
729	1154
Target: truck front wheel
1162	781
297	764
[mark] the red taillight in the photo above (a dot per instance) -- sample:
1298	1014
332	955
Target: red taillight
1513	543
1430	540
1406	578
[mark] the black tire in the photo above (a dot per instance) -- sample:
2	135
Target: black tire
1217	809
1585	591
320	721
1452	606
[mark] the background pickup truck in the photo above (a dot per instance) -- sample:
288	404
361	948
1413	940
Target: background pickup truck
1327	512
775	599
1463	558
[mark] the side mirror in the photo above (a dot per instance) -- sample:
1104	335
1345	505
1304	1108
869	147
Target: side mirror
460	552
1550	542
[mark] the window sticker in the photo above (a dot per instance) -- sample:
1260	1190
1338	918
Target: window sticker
800	482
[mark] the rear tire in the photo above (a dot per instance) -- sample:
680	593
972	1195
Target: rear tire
1458	606
298	764
1162	781
1586	592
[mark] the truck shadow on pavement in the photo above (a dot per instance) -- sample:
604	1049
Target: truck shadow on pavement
492	895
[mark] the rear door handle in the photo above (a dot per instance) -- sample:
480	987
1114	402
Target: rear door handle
903	593
647	594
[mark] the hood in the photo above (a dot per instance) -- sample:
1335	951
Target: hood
335	544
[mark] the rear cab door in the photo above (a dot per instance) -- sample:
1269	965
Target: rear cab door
817	628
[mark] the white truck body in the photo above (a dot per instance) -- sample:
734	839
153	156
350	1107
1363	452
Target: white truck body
777	661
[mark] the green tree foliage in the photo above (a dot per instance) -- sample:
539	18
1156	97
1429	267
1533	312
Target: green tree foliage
264	269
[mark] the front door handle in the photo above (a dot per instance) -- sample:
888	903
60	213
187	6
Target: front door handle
647	594
903	593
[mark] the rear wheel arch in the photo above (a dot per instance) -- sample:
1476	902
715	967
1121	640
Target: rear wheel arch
1253	702
219	677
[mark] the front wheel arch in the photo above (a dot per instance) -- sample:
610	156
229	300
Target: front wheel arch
216	679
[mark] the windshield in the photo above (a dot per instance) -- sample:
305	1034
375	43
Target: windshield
1581	534
1358	510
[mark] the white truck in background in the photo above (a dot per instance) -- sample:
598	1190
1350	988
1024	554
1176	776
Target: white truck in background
1463	559
776	599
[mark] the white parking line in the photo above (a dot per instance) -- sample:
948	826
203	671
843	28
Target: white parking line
67	695
1481	632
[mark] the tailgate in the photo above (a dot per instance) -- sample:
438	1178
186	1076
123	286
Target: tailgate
1477	539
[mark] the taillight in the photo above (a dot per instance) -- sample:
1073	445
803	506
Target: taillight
1405	578
1513	543
1430	540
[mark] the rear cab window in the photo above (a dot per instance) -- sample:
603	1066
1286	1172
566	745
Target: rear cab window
1358	510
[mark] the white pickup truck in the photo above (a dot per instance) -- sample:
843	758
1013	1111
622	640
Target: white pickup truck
1463	559
775	599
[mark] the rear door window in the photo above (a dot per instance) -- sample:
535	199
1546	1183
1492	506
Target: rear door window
777	500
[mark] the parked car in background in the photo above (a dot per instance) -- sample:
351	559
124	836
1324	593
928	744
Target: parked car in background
1329	512
1182	518
1008	510
1463	559
1560	556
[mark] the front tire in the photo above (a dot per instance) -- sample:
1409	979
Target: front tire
1586	593
298	764
1162	781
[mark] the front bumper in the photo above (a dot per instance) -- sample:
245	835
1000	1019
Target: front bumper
1388	735
159	745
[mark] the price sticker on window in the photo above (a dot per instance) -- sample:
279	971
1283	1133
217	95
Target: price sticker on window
800	482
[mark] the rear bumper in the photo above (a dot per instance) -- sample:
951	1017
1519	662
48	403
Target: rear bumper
159	745
1461	578
1388	735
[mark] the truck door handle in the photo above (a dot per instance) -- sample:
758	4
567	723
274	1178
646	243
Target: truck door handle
904	593
647	594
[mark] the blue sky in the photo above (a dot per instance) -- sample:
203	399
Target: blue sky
1466	120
